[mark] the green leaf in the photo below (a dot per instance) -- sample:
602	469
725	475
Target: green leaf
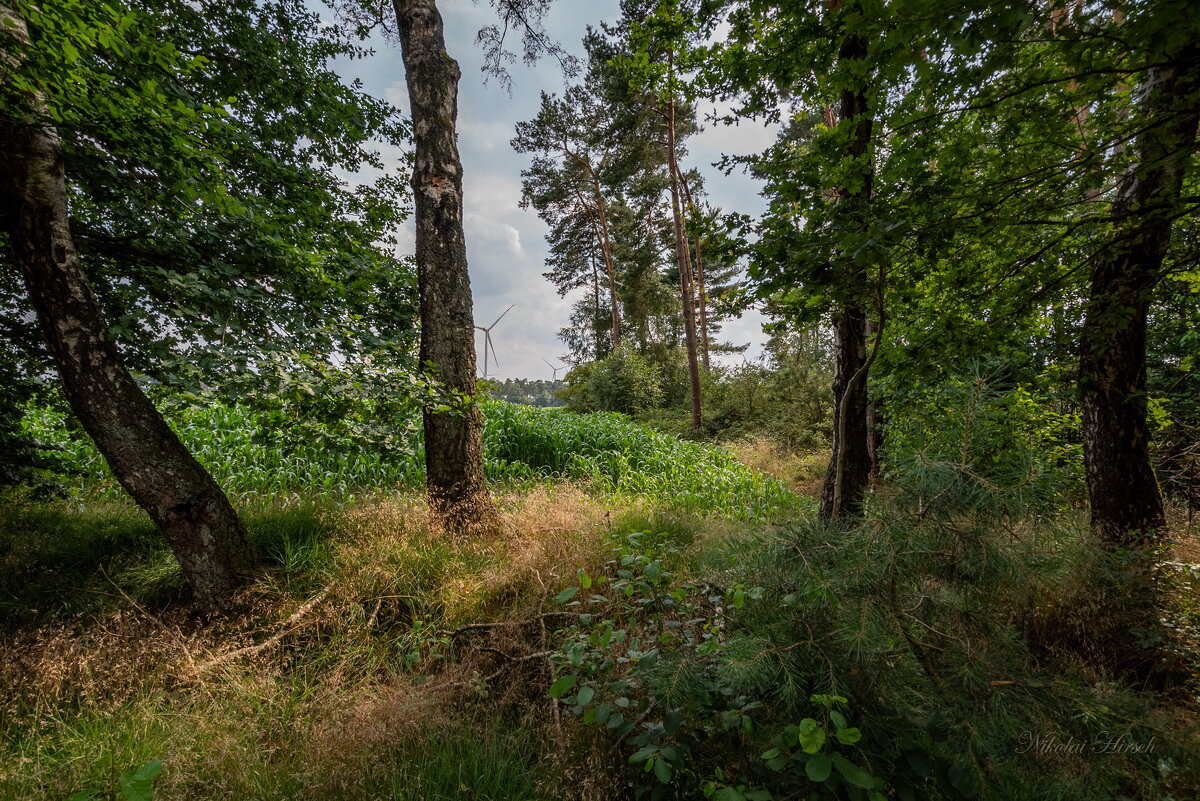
964	779
853	773
136	784
642	754
561	685
849	736
818	768
663	770
810	735
566	595
920	762
585	696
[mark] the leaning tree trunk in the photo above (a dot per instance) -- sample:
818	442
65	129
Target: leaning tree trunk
1126	502
685	269
458	495
849	471
145	455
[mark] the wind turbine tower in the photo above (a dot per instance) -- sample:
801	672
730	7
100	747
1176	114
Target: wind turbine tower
555	370
487	341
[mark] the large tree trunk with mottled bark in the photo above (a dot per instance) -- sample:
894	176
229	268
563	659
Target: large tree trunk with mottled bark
145	455
1126	502
1125	627
458	495
849	472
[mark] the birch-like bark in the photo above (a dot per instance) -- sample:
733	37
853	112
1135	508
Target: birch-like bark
145	455
458	494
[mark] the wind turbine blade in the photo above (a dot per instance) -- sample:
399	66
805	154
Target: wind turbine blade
501	317
495	358
548	364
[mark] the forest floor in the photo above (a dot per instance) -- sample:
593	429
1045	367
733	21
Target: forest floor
377	658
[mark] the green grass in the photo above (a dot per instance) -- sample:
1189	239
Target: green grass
348	705
60	558
245	742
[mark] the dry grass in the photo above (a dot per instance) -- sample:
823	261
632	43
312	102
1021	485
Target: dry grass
348	669
800	472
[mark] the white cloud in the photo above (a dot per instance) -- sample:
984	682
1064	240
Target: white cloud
505	244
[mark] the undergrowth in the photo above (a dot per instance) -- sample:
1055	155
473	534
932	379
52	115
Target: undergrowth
335	678
601	647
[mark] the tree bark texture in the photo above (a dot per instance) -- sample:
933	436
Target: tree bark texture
849	471
598	219
609	264
458	495
143	452
701	292
1126	502
685	273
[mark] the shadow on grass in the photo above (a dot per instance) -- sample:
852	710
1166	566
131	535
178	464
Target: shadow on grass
60	559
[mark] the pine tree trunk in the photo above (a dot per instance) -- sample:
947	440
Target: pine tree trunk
685	270
458	495
599	223
849	472
701	292
143	452
609	264
1126	502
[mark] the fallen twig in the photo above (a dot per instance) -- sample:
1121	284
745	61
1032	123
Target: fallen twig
270	642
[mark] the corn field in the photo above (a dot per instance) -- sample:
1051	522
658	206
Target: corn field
253	458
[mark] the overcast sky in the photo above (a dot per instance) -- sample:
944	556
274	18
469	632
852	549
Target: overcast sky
506	247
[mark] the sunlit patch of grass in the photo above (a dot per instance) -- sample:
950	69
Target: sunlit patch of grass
802	472
347	687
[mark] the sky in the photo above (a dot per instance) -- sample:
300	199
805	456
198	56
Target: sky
506	246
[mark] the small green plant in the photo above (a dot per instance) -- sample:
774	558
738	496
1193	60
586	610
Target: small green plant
647	661
135	784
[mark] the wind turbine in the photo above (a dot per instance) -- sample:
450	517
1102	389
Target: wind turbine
555	369
487	341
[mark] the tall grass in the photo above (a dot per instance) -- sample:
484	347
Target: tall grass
625	458
252	458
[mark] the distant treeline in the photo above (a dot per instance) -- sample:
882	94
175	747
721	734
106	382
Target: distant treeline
528	391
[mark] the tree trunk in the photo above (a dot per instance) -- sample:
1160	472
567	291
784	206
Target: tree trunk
458	496
685	268
701	292
849	471
595	303
599	223
143	452
1125	500
609	265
